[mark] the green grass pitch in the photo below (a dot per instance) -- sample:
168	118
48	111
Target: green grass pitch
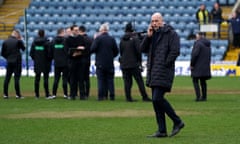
63	121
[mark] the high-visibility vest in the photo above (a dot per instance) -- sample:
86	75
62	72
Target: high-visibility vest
203	17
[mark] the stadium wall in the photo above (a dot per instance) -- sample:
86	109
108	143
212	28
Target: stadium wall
218	68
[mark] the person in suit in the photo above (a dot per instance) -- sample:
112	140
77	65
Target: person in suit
59	54
162	46
42	62
11	51
131	63
76	47
200	66
105	48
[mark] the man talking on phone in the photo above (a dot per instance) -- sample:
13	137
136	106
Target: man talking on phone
162	46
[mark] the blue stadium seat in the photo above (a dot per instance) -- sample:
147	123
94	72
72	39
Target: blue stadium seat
53	14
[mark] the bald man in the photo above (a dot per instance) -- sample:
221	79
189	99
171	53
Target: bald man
162	46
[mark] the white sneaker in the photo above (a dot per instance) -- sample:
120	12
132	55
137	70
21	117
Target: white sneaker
5	97
19	97
65	96
53	97
49	97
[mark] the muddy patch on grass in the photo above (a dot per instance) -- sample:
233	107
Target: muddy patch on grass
91	114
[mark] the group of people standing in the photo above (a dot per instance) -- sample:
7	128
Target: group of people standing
71	50
71	55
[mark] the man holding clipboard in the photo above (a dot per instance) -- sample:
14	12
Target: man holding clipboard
76	48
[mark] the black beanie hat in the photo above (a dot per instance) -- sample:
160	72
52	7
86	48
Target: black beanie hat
129	28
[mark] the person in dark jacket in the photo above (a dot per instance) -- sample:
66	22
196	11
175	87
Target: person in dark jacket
162	46
11	51
235	24
216	17
40	55
76	47
131	63
86	60
59	54
105	48
200	66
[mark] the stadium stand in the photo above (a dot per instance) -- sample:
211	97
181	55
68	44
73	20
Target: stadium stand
53	14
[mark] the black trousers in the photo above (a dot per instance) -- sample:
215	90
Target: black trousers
236	40
86	82
15	68
45	83
58	72
135	73
161	107
203	85
76	78
105	79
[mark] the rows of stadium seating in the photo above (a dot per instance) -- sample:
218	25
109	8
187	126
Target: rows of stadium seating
53	14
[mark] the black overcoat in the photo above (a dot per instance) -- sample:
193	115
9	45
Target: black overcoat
161	58
201	58
105	48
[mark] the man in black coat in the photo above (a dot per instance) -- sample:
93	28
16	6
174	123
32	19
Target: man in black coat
130	63
105	48
200	66
76	47
40	55
162	45
11	52
59	54
86	59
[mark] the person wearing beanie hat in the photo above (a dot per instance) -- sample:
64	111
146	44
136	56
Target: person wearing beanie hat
129	28
130	63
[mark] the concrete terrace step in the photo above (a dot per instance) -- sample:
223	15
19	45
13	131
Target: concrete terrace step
10	12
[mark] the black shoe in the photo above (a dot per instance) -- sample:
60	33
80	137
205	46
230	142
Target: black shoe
177	128
203	99
83	98
197	99
72	98
158	135
147	99
101	99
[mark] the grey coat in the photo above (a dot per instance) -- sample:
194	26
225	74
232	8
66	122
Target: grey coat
161	59
201	58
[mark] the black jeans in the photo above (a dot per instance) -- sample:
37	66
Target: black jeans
203	85
15	68
161	107
58	72
135	73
